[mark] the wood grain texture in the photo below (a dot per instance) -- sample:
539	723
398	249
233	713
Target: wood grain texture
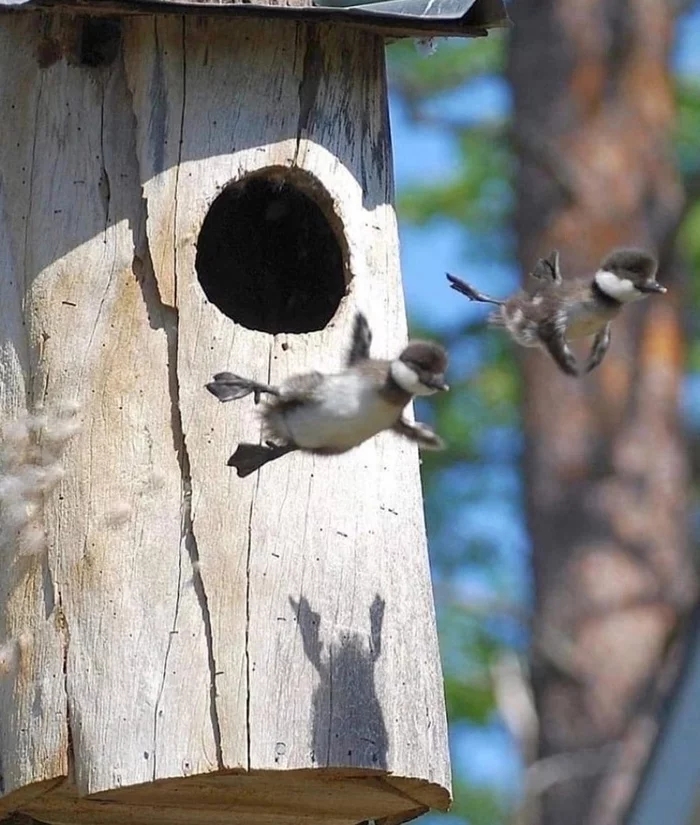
264	797
193	622
31	640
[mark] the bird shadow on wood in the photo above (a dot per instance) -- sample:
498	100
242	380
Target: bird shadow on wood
347	720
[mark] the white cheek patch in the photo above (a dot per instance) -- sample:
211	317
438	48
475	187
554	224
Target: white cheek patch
621	289
407	379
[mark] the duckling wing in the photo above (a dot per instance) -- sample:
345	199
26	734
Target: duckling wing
361	341
544	274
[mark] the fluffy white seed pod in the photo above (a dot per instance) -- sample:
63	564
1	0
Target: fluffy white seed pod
32	540
9	657
12	489
40	480
69	408
17	514
59	430
36	423
29	470
16	432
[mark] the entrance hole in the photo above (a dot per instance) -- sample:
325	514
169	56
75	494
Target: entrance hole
268	256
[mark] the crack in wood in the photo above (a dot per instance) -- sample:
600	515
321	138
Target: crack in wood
179	158
247	592
104	185
188	540
247	626
198	583
312	71
188	537
64	633
183	458
27	222
165	663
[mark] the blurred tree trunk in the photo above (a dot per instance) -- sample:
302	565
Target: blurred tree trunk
605	458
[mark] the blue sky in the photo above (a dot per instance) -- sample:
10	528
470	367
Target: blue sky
424	154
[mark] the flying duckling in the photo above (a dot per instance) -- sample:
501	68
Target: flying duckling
331	414
550	310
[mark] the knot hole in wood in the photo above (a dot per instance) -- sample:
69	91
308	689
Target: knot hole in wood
271	253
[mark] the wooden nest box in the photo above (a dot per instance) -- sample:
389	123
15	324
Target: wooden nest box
188	188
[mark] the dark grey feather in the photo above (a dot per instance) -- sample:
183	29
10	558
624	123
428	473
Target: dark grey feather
547	269
361	341
635	261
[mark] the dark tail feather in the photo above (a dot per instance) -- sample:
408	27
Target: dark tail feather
228	387
250	457
361	341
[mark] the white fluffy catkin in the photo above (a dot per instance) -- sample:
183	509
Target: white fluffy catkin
30	468
9	656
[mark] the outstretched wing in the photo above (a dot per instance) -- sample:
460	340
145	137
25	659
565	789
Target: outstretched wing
547	269
361	341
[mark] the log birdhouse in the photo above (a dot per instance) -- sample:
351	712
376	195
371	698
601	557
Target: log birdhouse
184	189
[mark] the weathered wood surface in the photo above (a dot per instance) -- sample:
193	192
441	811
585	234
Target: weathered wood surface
176	621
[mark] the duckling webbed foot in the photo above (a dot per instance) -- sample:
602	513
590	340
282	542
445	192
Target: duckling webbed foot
601	344
474	295
250	457
229	387
422	434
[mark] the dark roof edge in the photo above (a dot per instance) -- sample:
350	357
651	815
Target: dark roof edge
482	16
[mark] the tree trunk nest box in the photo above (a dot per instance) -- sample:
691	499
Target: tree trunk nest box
181	195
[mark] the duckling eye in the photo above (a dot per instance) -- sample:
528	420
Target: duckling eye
424	366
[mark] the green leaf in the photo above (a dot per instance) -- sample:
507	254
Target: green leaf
468	701
479	805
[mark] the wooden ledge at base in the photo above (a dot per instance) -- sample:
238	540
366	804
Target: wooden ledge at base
333	797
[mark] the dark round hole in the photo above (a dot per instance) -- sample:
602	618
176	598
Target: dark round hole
100	39
267	256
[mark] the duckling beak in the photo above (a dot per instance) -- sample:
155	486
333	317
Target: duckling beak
437	382
653	286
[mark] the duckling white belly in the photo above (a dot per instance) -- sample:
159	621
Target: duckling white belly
345	411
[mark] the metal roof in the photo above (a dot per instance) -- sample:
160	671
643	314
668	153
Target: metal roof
393	18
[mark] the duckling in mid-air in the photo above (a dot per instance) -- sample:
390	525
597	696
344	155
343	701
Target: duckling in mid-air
549	310
331	414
